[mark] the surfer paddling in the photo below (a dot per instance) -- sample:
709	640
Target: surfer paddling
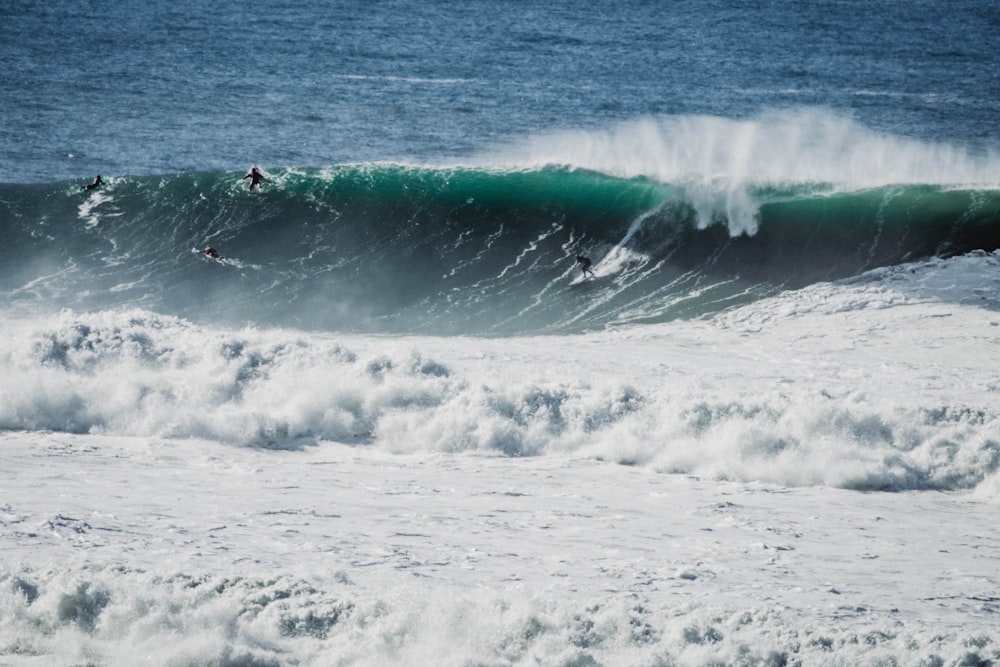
584	263
256	176
212	252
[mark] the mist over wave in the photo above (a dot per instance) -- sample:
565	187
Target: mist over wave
782	146
724	163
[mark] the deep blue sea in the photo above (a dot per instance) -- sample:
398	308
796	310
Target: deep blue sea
787	206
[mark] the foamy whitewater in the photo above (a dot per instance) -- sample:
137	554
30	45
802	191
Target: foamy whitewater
809	479
394	424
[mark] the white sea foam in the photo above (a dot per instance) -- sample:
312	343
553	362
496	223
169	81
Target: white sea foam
794	390
180	552
179	494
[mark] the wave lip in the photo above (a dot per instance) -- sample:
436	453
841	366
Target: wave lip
722	162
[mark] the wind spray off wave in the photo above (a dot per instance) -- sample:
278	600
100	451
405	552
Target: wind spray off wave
133	373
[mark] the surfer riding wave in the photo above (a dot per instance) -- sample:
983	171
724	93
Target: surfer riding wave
256	176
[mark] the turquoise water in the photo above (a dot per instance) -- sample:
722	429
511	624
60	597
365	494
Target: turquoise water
391	249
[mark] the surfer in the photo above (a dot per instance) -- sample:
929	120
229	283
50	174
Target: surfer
212	252
93	186
256	176
584	263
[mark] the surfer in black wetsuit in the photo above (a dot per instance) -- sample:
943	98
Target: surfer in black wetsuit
93	186
584	263
256	176
212	252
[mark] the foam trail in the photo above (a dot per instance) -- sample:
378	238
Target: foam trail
620	255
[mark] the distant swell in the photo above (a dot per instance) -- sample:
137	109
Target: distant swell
390	248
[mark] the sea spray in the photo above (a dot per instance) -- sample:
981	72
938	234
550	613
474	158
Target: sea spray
723	163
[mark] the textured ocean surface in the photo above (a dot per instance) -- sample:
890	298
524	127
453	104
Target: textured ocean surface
394	424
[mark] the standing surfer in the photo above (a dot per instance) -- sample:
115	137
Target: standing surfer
93	186
256	176
584	263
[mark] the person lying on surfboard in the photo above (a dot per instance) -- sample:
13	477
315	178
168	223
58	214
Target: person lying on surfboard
584	263
212	252
93	186
256	176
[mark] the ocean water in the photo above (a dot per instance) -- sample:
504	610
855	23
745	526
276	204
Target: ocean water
394	424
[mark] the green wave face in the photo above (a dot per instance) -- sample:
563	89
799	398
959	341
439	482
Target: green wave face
391	248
